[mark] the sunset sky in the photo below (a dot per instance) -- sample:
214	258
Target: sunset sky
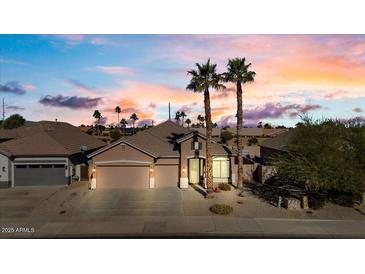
44	77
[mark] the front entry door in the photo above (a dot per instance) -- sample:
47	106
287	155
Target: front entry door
194	171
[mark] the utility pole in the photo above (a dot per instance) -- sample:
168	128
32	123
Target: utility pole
3	110
169	113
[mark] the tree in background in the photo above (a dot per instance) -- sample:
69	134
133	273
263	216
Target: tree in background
259	124
13	121
134	118
177	117
326	155
226	136
115	134
253	141
188	122
201	120
97	116
203	78
239	74
118	111
182	115
124	124
267	125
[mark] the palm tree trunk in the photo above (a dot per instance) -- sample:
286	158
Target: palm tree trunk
208	119
239	137
118	121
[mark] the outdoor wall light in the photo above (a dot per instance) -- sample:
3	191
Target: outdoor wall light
94	170
151	170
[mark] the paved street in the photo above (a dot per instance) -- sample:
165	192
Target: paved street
77	212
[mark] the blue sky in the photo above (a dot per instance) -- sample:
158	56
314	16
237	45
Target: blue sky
67	77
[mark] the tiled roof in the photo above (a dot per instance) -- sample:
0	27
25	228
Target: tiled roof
160	140
48	138
278	142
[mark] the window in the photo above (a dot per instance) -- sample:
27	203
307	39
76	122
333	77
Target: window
59	166
4	169
46	166
34	166
21	166
221	167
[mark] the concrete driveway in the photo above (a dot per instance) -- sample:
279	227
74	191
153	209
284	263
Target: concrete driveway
75	211
18	203
117	202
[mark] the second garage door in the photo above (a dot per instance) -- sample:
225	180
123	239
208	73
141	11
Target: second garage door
122	177
166	175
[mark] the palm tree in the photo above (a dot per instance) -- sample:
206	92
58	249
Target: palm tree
201	120
177	116
118	110
97	115
182	115
203	78
124	124
188	122
134	118
238	73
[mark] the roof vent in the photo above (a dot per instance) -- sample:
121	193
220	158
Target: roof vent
83	148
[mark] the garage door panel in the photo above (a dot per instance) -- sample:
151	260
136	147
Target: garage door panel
122	177
39	176
166	175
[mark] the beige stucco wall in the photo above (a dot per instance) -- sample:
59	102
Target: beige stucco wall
116	153
5	175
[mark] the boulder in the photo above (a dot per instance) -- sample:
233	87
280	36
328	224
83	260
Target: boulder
292	204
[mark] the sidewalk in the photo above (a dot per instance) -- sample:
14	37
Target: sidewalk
196	226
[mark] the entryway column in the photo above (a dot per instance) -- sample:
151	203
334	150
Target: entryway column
152	176
184	180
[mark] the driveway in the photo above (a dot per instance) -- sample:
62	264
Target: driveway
75	211
18	203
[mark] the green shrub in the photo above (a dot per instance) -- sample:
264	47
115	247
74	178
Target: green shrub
316	201
325	155
221	209
224	186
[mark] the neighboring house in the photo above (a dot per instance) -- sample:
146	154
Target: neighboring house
44	153
274	145
167	155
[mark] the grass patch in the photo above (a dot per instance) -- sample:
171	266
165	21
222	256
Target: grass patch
224	186
221	209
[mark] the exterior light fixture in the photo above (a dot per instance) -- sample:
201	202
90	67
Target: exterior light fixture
151	169
94	170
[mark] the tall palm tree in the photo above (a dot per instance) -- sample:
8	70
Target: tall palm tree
182	115
188	122
238	73
177	116
134	118
118	111
124	124
97	115
202	79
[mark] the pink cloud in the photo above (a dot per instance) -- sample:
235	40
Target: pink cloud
114	70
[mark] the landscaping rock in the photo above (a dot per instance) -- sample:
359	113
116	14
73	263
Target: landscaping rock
305	204
292	204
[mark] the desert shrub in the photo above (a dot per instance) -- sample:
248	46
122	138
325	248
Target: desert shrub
221	209
224	186
324	156
253	141
115	134
316	201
